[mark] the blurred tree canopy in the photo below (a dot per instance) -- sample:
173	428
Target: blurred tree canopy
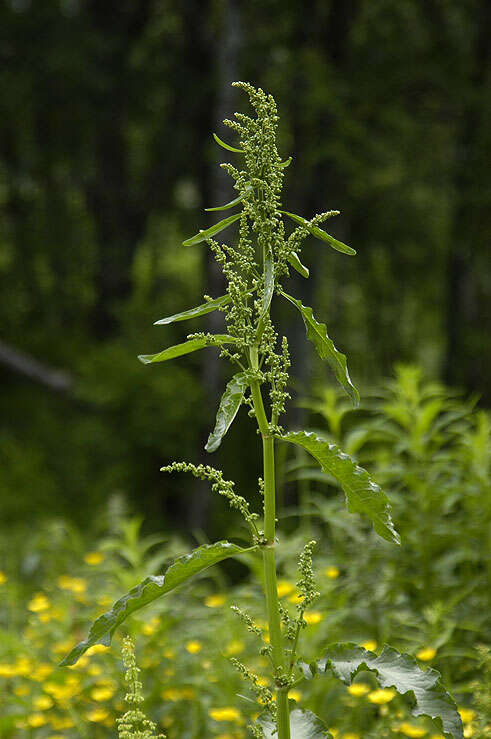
106	161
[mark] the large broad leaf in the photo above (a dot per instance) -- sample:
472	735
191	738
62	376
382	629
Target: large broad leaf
233	202
362	494
149	590
398	671
297	264
317	333
227	410
303	725
319	233
200	310
227	146
215	229
186	348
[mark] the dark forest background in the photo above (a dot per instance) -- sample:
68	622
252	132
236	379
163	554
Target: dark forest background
106	164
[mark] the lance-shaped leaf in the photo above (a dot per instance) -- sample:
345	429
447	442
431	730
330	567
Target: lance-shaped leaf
286	163
303	725
268	280
200	310
319	233
398	671
235	201
297	264
149	590
186	348
209	232
227	410
227	146
362	494
317	333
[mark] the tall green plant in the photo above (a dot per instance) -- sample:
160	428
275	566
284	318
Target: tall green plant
256	269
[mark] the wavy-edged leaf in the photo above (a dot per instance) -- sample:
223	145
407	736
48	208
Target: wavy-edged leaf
303	725
317	333
227	146
200	310
209	232
233	202
362	494
319	233
181	570
398	671
186	348
286	163
295	262
227	410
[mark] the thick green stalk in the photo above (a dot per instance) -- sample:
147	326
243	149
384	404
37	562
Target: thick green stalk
269	562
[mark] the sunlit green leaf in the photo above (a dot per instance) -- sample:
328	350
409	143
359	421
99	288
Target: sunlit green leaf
319	233
362	494
209	232
398	671
303	725
235	201
297	264
200	310
317	333
186	348
286	163
229	405
227	146
150	589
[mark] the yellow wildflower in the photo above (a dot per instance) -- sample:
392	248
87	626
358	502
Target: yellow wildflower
76	584
426	654
285	588
468	731
295	694
370	645
193	647
38	603
102	694
41	672
224	714
466	714
7	670
359	689
35	720
351	735
171	694
64	722
332	572
22	690
411	730
96	649
379	697
151	627
295	598
214	601
43	702
94	670
97	715
3	577
94	558
45	617
314	617
234	647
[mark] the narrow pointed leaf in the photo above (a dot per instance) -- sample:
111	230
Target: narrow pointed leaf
227	410
297	264
319	233
268	280
317	333
398	671
215	229
149	590
233	202
227	146
286	163
186	348
303	725
200	310
362	494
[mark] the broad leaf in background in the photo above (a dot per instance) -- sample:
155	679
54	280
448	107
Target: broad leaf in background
233	202
227	146
303	725
200	310
186	348
319	233
317	333
227	410
398	671
362	494
149	590
297	264
209	232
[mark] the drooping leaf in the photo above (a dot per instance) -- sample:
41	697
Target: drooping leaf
227	146
319	233
227	410
297	264
200	310
303	725
317	333
398	671
186	348
233	202
209	232
362	494
181	570
286	163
